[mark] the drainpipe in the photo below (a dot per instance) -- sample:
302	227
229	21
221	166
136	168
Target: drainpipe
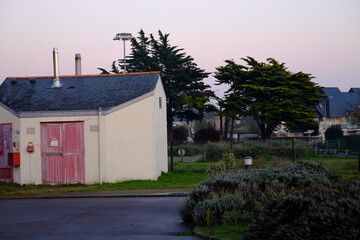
100	152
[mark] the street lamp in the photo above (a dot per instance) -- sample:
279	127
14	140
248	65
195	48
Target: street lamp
124	37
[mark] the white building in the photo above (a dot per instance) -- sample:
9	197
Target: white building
83	129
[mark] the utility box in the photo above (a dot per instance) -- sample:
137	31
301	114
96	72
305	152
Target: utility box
14	158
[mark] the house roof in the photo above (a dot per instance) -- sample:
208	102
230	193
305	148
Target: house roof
84	92
337	103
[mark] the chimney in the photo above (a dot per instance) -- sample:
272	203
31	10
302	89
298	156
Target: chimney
56	81
77	64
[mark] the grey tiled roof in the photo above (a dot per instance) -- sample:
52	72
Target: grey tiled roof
338	103
76	92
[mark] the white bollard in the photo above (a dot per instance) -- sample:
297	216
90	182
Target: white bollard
248	162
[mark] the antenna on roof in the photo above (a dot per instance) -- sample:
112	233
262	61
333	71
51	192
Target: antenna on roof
56	81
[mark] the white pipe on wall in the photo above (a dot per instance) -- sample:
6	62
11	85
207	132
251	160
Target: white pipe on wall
100	146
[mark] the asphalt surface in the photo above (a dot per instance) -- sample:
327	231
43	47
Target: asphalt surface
140	218
186	159
179	192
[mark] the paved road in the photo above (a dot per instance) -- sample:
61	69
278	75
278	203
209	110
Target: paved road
92	218
186	159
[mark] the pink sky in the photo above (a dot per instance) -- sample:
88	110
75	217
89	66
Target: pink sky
321	37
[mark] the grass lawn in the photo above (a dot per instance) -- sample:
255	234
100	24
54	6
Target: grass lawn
231	232
346	167
185	175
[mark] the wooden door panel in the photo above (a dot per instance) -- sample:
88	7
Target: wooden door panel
51	153
53	169
63	147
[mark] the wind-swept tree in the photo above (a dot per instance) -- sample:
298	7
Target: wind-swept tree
270	93
182	78
232	108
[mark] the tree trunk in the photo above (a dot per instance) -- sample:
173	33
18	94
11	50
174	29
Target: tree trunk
221	129
226	130
269	130
232	129
169	131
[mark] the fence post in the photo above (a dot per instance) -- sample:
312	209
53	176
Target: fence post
293	149
172	156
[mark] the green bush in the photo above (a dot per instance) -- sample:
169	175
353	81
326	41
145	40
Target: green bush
206	135
218	210
270	147
214	151
226	164
333	132
318	212
180	134
257	185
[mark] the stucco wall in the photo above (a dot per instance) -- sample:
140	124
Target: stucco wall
135	140
161	155
128	143
31	163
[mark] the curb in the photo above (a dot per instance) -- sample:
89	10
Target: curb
97	195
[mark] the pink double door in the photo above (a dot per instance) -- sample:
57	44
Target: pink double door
62	152
6	144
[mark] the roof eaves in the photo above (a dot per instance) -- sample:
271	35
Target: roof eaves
9	109
79	113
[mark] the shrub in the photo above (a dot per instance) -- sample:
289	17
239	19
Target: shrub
257	185
180	134
226	164
333	132
218	210
271	147
214	151
318	212
207	135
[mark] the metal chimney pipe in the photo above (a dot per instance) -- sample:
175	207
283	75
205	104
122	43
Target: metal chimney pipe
77	64
56	81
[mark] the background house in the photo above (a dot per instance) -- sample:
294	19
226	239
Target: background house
83	129
335	108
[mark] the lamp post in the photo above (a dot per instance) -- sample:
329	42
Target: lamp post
124	37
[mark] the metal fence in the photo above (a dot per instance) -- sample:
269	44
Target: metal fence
294	148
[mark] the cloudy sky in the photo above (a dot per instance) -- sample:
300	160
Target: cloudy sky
321	37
